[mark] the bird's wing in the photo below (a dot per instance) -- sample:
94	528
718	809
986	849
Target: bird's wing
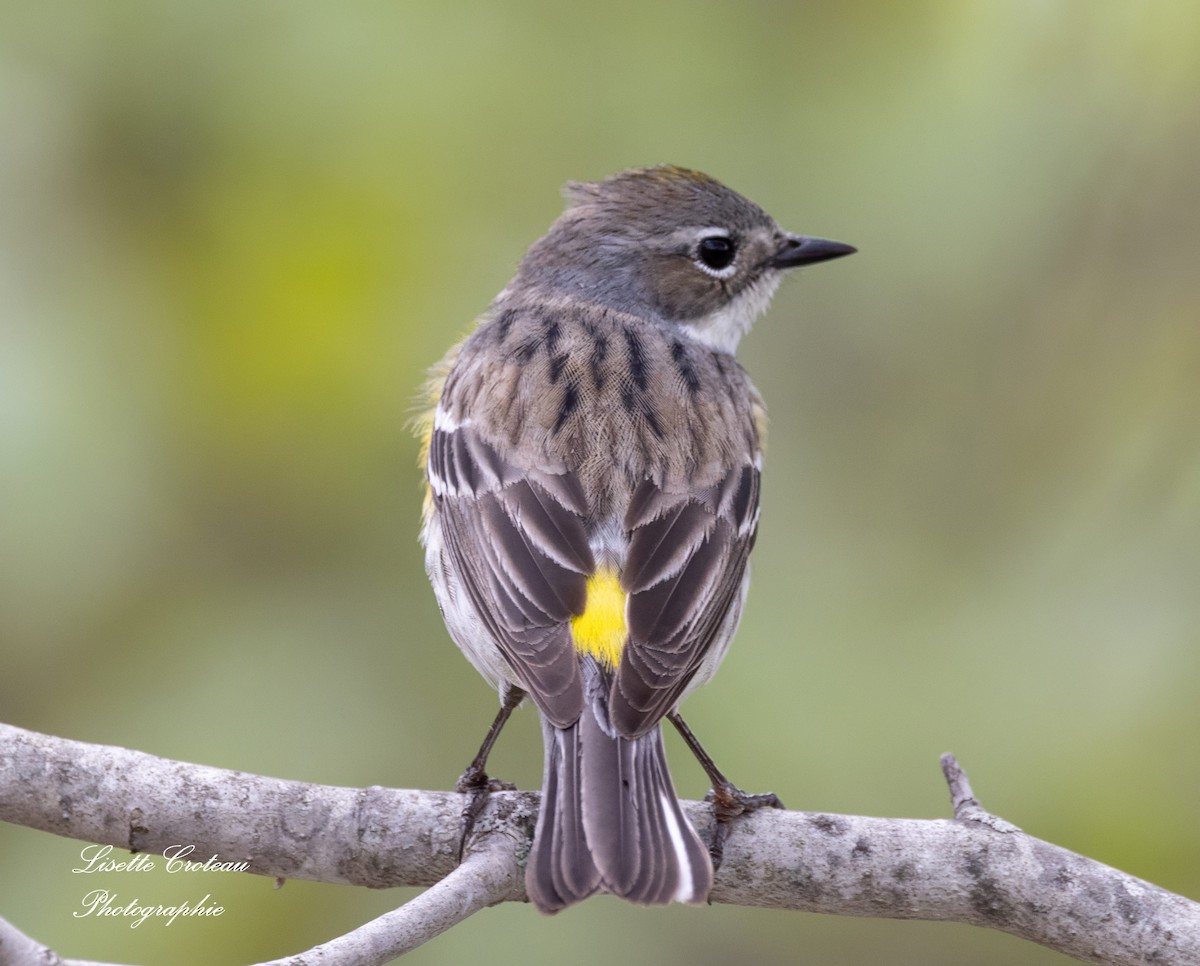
517	539
683	573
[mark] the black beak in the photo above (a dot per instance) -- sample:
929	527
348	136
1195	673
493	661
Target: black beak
799	250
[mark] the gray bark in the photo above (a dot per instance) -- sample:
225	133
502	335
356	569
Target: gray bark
975	868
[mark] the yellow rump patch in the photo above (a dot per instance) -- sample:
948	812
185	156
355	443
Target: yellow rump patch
600	630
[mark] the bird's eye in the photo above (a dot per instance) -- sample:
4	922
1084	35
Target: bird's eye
715	253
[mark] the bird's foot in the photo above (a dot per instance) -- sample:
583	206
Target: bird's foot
728	802
477	786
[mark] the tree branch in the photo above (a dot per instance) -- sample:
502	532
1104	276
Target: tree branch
974	869
488	874
17	949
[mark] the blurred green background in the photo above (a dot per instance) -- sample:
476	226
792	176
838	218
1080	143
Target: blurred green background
232	236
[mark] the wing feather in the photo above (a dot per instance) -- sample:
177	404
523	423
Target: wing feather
523	555
687	557
664	546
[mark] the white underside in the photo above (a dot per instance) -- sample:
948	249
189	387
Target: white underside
463	623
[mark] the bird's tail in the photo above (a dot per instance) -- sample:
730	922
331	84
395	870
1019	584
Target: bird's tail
610	820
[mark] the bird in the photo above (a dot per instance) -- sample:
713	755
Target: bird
592	454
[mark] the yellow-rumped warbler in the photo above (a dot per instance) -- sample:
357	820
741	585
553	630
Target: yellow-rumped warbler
592	454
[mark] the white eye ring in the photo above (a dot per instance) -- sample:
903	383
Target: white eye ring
716	255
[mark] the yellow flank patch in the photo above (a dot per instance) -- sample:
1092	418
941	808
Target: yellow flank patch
600	630
422	423
759	411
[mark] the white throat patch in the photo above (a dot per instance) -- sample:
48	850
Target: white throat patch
723	329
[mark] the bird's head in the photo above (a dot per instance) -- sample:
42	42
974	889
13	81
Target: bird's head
673	245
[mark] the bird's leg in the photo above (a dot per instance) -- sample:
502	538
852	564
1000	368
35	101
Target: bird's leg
727	799
474	782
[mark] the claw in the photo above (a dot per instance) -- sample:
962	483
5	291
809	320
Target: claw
474	782
727	799
728	802
477	786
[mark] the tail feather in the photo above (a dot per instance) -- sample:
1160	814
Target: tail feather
563	865
610	820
